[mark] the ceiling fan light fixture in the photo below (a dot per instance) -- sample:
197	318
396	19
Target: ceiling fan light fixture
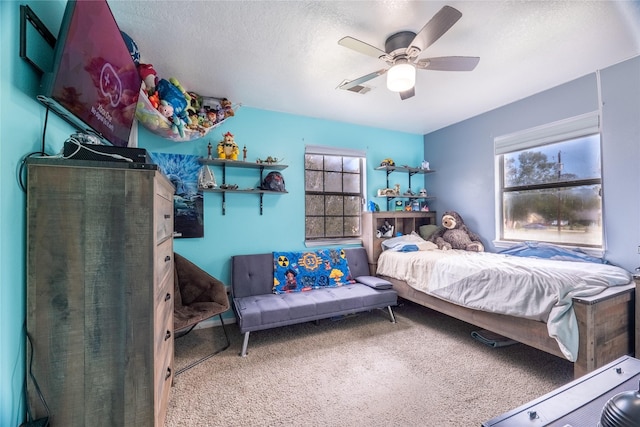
401	77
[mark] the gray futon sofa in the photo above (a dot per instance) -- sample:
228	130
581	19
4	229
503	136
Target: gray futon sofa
258	308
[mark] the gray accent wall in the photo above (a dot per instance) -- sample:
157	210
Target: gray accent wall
462	155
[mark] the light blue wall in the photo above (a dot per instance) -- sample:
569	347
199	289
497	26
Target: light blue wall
281	226
466	182
241	230
21	124
461	154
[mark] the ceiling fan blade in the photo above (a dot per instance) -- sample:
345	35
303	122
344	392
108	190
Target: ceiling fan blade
448	63
433	30
352	83
407	93
362	47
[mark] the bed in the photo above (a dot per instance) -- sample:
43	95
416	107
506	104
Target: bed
580	311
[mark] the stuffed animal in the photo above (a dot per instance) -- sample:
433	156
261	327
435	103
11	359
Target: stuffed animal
227	107
173	96
454	234
187	95
149	77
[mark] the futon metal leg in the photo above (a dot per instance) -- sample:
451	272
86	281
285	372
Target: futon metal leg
393	318
244	344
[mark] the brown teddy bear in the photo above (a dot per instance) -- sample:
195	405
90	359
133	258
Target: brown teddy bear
454	234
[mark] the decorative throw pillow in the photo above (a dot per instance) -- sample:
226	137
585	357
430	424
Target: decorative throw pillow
374	282
426	231
303	271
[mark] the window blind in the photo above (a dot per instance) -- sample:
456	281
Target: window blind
333	151
562	130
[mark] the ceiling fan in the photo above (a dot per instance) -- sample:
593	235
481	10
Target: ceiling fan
402	50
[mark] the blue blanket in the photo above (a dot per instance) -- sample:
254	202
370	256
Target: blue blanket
303	271
549	251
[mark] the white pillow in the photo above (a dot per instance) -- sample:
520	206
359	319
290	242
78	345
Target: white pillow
374	282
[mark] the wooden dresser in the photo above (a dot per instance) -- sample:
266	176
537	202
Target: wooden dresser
99	292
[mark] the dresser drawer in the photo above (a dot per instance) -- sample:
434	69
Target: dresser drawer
163	218
164	295
163	351
163	319
163	265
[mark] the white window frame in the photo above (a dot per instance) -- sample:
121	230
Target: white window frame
562	130
345	152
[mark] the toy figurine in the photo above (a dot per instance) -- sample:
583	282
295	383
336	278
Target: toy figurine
209	148
244	154
227	148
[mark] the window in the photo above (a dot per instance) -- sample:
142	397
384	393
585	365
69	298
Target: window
334	183
550	184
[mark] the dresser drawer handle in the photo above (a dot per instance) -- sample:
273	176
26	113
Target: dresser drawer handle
167	216
167	297
168	374
167	258
167	335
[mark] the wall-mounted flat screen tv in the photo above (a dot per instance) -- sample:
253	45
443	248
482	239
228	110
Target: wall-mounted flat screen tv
94	84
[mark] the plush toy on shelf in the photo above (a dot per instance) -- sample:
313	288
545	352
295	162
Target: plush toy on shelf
227	148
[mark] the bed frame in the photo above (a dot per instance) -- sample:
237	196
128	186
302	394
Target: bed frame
605	321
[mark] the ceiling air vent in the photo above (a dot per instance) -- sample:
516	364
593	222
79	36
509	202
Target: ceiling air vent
357	88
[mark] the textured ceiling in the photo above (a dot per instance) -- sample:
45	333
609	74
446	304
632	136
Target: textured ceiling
284	55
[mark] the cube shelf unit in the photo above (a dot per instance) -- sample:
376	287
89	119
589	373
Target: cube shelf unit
224	163
403	222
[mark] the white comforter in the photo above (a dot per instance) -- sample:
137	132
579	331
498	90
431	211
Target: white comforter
538	289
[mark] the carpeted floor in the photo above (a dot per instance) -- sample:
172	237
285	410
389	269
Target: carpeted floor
425	370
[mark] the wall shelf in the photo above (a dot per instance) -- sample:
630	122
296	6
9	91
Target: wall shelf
224	163
410	172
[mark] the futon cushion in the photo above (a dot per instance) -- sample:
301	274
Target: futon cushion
267	311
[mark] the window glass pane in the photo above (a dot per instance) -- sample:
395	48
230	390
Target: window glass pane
351	226
313	180
351	183
314	227
560	162
312	161
334	226
351	164
568	215
334	205
333	182
314	205
352	205
333	163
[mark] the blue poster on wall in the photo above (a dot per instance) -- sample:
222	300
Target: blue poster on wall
182	170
